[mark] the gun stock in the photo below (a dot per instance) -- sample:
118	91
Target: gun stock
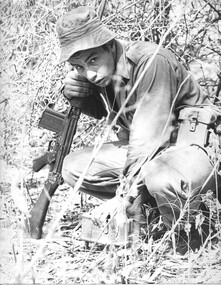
65	127
39	211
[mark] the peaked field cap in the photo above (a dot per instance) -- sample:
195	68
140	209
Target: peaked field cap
81	29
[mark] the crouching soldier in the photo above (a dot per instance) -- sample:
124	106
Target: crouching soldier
104	72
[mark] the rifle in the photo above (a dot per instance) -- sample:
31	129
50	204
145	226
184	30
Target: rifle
64	126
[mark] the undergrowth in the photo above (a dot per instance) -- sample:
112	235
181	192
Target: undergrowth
31	79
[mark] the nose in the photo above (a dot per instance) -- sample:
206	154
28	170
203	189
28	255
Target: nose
91	75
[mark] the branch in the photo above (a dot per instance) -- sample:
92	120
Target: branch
211	6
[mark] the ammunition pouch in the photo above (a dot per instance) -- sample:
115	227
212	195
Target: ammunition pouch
202	127
194	126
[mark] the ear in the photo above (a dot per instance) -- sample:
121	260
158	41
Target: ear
111	45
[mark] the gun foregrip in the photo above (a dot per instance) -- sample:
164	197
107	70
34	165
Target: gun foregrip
42	161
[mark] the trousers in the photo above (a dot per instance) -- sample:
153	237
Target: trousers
175	176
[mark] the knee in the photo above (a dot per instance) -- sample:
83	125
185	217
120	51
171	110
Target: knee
155	177
66	169
71	168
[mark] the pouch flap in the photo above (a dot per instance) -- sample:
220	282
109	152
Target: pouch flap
200	115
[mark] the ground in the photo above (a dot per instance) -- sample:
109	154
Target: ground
65	258
30	80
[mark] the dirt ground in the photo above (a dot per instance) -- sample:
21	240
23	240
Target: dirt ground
65	258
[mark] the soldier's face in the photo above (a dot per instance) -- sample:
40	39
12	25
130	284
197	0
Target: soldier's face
97	64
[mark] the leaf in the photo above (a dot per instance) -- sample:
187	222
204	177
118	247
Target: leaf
199	220
187	227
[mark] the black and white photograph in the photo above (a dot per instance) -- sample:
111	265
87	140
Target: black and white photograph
110	142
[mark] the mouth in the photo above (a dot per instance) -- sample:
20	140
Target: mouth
100	82
105	81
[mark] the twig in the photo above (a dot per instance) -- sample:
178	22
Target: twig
211	6
4	101
101	8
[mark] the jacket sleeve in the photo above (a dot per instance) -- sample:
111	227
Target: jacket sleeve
153	118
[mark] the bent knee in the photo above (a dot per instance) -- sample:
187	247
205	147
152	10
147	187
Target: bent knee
72	166
65	172
155	177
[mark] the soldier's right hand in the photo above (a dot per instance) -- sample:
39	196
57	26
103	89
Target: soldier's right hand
75	85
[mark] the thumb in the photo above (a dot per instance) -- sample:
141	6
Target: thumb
134	210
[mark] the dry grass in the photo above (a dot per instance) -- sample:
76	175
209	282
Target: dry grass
30	80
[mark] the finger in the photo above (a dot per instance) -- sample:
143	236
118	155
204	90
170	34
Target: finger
96	219
76	82
73	91
70	95
77	89
75	75
135	210
99	217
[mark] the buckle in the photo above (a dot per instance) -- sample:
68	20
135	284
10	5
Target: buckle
193	118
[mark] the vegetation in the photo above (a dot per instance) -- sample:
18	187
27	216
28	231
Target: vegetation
31	78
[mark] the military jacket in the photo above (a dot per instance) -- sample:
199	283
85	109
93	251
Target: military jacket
157	86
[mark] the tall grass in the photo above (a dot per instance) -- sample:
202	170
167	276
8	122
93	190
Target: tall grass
31	77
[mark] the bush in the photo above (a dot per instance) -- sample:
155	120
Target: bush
31	78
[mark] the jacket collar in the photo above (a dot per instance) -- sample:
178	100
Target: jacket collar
123	66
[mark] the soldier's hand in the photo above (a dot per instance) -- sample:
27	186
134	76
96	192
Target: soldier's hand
105	212
75	85
112	210
133	209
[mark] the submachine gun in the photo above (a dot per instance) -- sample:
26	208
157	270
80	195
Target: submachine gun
64	126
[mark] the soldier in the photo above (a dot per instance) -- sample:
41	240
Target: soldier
169	173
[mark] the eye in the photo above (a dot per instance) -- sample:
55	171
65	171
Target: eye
79	68
93	60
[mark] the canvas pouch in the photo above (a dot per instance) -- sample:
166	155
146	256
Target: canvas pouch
193	126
